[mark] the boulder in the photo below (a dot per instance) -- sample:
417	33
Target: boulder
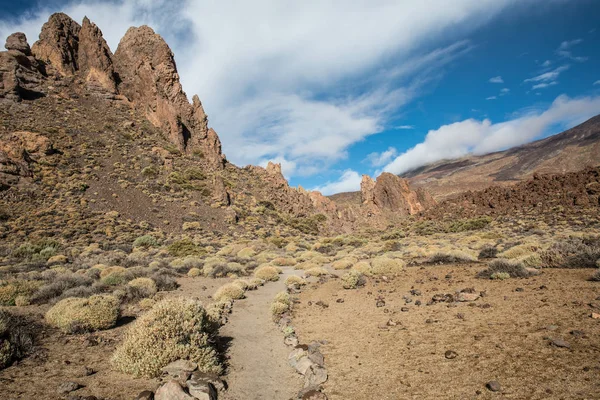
18	42
201	387
172	390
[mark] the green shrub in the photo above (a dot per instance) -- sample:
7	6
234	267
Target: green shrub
229	291
73	314
283	297
294	280
145	241
267	273
514	269
146	285
344	263
386	266
184	248
278	309
194	272
451	257
11	290
500	275
317	271
353	279
150	171
173	329
469	224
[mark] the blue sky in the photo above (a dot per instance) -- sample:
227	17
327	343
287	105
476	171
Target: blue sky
335	89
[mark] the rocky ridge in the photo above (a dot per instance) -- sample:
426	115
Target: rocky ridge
72	61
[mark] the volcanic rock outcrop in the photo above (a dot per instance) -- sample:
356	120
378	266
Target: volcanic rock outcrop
392	193
149	78
20	73
143	70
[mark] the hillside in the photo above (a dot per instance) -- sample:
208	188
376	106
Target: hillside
568	151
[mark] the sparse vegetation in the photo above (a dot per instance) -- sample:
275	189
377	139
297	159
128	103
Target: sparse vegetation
229	291
514	269
353	279
16	337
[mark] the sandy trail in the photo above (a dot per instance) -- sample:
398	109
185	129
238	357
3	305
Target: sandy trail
258	367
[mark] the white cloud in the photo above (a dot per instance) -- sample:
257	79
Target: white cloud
546	63
597	82
491	98
404	127
564	50
504	91
496	79
297	82
479	137
378	159
548	76
349	181
544	85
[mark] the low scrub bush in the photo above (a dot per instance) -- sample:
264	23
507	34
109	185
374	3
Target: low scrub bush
284	261
229	291
572	253
145	241
59	284
451	257
488	252
173	329
317	271
364	267
145	285
386	266
294	280
184	248
469	224
353	279
344	263
10	291
74	315
267	273
515	269
16	337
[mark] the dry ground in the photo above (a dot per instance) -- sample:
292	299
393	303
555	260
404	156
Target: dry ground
502	336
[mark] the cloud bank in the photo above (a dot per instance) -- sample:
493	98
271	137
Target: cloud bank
479	137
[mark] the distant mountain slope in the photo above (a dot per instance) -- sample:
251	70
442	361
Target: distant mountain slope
568	151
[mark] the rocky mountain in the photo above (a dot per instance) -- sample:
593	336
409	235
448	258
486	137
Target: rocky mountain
89	132
569	151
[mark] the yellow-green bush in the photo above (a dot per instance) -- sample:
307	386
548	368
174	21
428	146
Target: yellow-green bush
278	309
352	279
283	297
74	314
11	290
247	252
173	329
317	271
147	285
284	261
344	263
229	291
194	272
364	267
242	284
267	273
519	251
294	280
386	266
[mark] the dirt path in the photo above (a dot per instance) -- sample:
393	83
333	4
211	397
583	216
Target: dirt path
258	367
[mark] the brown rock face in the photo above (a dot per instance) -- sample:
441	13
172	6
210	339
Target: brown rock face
392	193
95	58
20	76
59	44
17	151
149	79
18	41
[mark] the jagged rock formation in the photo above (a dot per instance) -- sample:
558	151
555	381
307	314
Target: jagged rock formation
143	69
59	44
20	73
149	78
393	193
95	58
